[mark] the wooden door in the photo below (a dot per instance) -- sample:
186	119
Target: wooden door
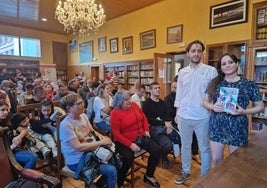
95	72
163	72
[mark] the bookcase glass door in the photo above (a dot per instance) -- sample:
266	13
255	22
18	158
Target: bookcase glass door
261	68
260	77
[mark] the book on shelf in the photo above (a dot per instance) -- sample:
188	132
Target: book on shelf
228	97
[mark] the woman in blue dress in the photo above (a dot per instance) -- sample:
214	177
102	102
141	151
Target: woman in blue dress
230	128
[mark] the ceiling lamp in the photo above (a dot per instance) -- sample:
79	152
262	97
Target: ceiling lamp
83	16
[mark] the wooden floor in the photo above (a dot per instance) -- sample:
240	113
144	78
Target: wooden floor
165	176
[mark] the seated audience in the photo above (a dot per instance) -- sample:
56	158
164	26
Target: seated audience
139	96
21	122
9	88
26	95
161	128
49	91
27	159
73	130
38	95
62	92
73	85
44	127
102	107
128	122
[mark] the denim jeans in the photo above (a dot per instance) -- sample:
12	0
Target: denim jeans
27	159
201	128
103	126
110	173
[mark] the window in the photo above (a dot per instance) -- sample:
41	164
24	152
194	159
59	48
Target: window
9	45
30	47
19	46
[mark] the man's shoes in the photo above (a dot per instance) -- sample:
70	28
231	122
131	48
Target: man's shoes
196	158
181	178
152	183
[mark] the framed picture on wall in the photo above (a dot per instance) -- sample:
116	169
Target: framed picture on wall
175	34
102	44
148	39
127	45
86	51
229	13
113	43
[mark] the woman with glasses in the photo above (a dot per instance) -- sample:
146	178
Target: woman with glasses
75	131
128	123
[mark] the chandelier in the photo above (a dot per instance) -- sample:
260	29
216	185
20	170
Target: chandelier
83	16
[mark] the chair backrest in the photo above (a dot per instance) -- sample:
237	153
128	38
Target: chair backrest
60	159
32	110
5	168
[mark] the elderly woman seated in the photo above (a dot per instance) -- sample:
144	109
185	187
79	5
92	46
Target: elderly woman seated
75	129
131	133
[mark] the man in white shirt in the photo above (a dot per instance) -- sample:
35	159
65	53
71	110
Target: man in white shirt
139	96
191	114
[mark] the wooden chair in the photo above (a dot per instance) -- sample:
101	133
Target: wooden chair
135	167
31	110
10	169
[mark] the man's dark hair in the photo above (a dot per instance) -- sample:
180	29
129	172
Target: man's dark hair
95	85
29	86
195	42
153	84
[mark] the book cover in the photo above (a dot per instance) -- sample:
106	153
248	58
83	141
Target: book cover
228	97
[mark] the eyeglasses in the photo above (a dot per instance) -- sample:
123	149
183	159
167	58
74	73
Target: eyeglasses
79	103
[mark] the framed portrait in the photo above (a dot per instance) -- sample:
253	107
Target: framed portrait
175	34
113	43
148	39
127	45
229	13
86	51
102	44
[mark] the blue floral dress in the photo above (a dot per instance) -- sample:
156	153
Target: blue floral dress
229	129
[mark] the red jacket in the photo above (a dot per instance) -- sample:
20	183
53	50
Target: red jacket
126	125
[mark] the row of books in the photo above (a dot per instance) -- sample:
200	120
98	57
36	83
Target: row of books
257	126
262	16
261	33
261	76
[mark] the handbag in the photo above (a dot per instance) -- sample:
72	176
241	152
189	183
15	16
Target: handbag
142	141
103	154
88	168
23	183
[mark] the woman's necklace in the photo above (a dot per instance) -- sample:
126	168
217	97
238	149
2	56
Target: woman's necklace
233	79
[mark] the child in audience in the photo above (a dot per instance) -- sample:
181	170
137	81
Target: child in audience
27	159
20	122
44	128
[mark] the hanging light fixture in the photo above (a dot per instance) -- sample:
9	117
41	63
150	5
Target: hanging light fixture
83	16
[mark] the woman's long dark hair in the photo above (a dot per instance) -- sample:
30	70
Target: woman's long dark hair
212	87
